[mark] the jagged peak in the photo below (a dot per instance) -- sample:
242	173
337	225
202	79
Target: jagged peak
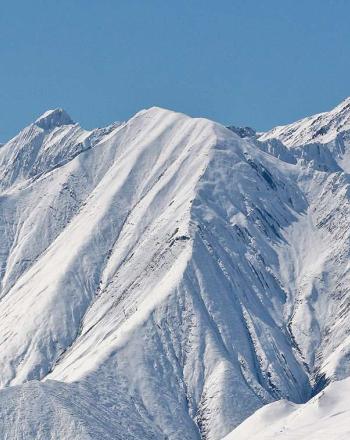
243	132
53	118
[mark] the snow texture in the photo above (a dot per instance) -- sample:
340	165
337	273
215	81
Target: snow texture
326	416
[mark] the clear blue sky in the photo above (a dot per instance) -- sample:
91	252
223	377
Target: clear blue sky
247	62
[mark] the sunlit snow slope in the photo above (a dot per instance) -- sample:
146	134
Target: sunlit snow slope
326	416
164	278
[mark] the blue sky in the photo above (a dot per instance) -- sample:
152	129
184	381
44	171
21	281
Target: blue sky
247	62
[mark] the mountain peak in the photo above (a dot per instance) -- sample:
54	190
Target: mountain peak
320	128
53	118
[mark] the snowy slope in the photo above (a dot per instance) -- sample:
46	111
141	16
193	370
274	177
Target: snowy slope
322	128
54	410
175	275
324	417
322	138
316	263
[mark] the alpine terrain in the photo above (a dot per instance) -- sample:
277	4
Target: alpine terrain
171	278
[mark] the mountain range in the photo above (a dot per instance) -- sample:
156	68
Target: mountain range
171	278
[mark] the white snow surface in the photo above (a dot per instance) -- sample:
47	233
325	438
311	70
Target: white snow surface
163	278
324	417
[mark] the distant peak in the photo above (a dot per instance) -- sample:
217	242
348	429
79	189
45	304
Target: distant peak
54	118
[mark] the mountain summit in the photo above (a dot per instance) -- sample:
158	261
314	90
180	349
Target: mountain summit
170	276
53	118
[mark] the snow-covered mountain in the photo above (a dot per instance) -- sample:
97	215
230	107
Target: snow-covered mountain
166	277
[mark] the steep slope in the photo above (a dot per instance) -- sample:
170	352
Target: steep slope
130	249
215	295
47	144
324	417
316	261
323	138
177	275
